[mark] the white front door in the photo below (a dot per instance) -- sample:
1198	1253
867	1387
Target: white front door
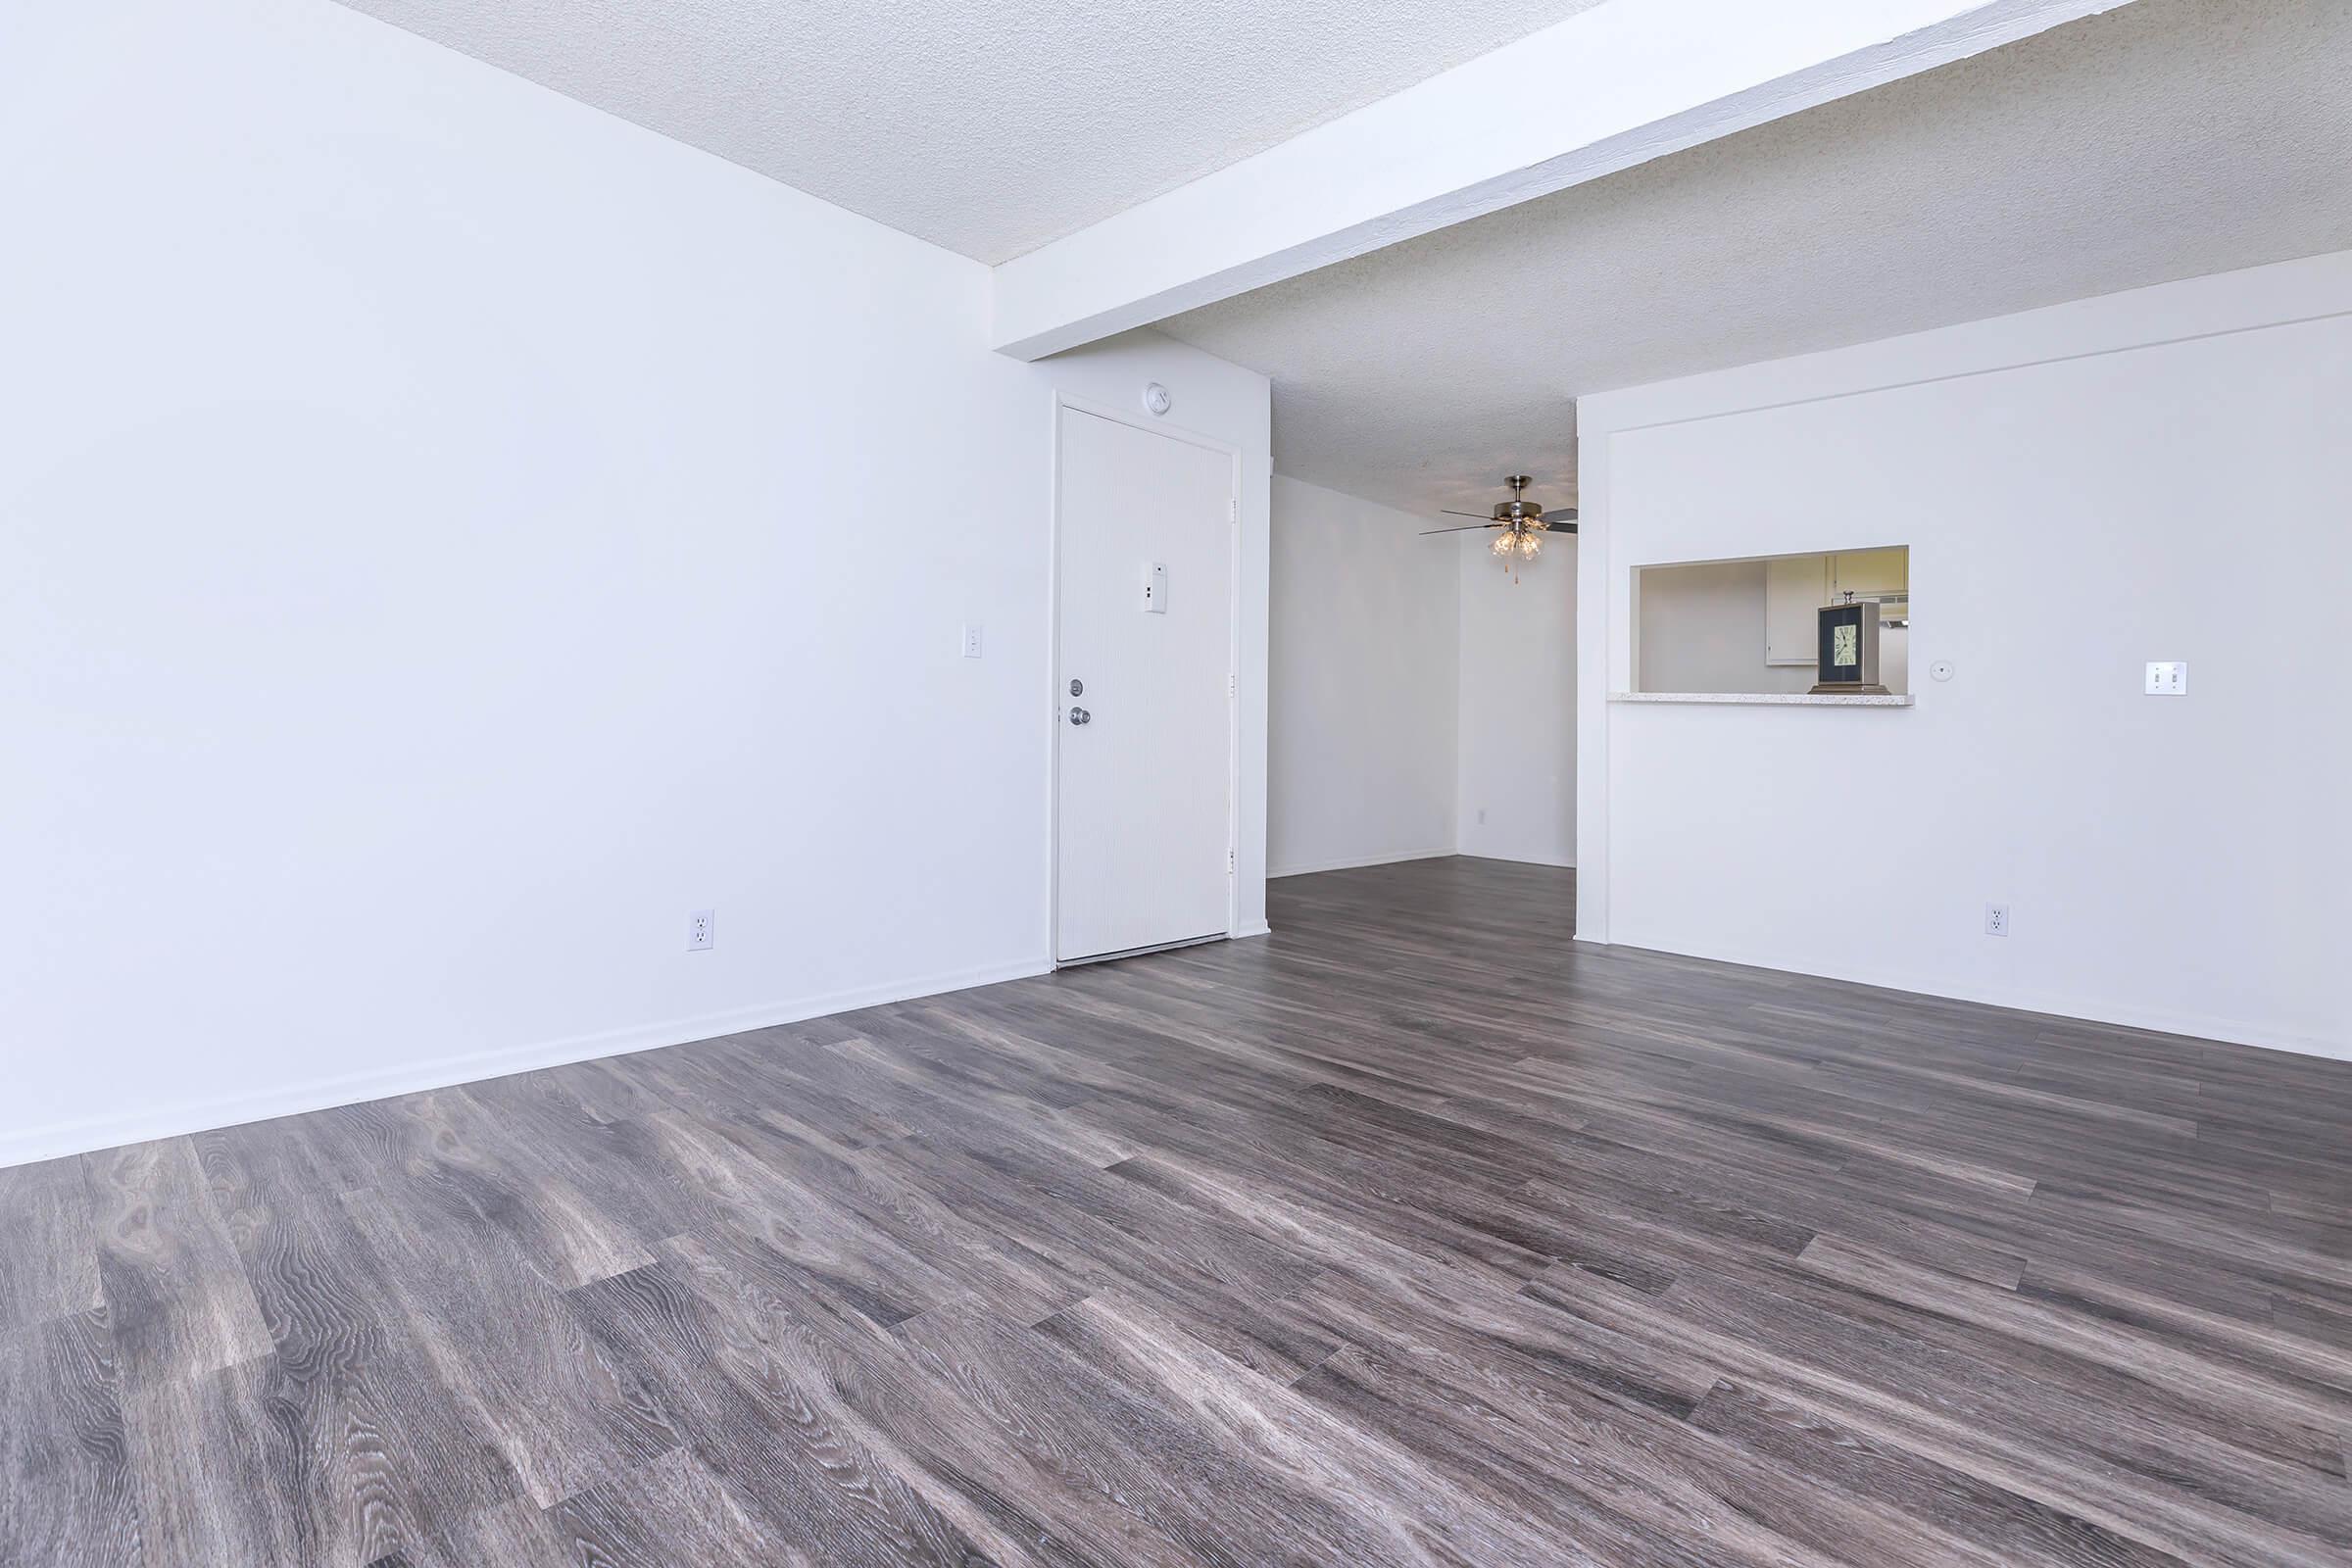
1145	797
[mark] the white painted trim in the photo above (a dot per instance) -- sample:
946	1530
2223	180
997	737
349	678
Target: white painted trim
1523	859
1615	85
1259	929
59	1139
2062	1008
1155	425
2310	289
1352	862
1594	638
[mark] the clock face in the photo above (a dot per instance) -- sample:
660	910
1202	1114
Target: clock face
1845	645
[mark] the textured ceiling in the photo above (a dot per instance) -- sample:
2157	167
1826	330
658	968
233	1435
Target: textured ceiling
2164	140
989	128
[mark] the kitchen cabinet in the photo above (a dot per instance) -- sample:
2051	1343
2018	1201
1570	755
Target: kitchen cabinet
1869	573
1796	587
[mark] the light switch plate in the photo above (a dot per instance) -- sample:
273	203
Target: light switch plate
1155	588
2169	678
971	642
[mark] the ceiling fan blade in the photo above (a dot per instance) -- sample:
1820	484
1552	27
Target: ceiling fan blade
1448	511
1467	527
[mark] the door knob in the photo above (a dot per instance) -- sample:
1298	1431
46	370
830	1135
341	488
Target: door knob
1079	715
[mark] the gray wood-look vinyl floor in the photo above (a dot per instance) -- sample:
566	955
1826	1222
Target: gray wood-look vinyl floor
1409	1235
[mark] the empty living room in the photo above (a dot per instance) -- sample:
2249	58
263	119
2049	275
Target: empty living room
1507	784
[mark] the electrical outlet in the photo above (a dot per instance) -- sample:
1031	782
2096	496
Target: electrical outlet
971	641
702	930
1996	920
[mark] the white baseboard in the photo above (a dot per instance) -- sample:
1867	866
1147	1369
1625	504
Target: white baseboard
1256	929
1519	859
2084	1009
58	1139
1389	858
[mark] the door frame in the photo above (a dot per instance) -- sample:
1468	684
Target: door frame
1068	402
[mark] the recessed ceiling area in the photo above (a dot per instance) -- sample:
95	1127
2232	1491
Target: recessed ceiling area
988	129
2163	141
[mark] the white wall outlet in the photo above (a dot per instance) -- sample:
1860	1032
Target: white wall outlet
971	641
702	930
2168	679
1996	920
1155	588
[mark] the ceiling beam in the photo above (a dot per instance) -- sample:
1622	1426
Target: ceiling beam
1612	86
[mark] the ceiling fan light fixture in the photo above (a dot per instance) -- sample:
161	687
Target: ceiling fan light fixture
1520	522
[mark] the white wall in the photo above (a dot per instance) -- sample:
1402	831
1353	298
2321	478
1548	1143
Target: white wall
1517	762
2157	475
444	539
1365	648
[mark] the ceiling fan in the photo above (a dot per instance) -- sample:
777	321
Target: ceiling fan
1523	524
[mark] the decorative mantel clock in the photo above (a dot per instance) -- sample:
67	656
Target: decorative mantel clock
1848	650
